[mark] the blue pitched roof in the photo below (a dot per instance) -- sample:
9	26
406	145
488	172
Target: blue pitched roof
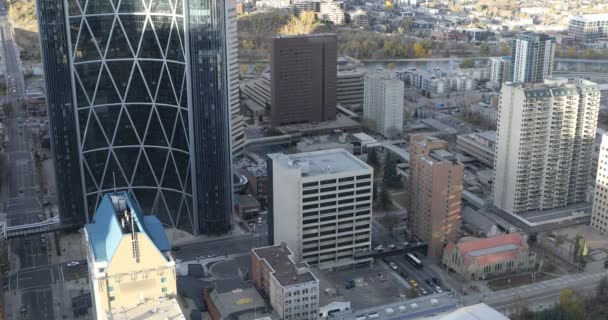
105	231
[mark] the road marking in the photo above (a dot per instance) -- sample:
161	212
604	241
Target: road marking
61	274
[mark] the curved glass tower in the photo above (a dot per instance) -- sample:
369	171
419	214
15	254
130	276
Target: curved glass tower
149	105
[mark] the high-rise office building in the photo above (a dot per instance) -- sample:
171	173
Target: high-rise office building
532	56
599	214
138	101
303	73
349	86
130	266
237	125
544	144
320	205
436	193
383	104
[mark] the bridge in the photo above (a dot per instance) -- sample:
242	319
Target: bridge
49	225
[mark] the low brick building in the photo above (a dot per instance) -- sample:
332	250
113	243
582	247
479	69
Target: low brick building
482	258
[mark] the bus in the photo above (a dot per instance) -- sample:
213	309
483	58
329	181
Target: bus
414	261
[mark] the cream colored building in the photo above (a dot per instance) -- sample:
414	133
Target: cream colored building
383	104
321	206
129	262
599	215
544	144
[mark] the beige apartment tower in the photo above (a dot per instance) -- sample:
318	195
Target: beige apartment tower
436	193
544	144
599	215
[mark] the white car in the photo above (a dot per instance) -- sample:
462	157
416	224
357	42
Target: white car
73	263
393	266
438	289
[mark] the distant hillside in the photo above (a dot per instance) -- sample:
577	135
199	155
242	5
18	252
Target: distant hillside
23	16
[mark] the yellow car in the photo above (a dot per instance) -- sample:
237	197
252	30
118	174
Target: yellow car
413	283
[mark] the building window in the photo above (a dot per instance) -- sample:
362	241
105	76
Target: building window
112	298
110	288
164	289
163	279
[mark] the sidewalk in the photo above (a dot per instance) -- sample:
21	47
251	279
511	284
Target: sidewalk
12	304
72	248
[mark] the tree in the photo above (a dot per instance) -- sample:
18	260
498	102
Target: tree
571	305
372	158
306	23
602	288
419	50
390	66
484	49
467	63
504	48
391	178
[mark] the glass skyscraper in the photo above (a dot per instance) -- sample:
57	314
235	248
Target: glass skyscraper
138	96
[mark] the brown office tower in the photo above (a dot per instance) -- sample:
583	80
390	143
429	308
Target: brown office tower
436	193
303	74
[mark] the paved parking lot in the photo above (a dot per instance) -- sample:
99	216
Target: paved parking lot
370	290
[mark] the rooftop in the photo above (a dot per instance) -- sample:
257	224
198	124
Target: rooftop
236	299
116	216
286	271
246	201
489	251
323	162
159	309
474	312
592	17
425	306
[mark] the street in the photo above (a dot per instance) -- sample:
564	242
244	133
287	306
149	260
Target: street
21	199
231	245
537	295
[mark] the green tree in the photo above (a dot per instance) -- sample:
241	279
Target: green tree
572	305
390	66
467	63
484	49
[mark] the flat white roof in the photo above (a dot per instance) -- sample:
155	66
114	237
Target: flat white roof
592	17
321	162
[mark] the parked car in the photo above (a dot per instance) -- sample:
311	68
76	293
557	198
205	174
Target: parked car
428	282
438	289
393	266
413	283
436	281
73	263
380	276
423	292
403	274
